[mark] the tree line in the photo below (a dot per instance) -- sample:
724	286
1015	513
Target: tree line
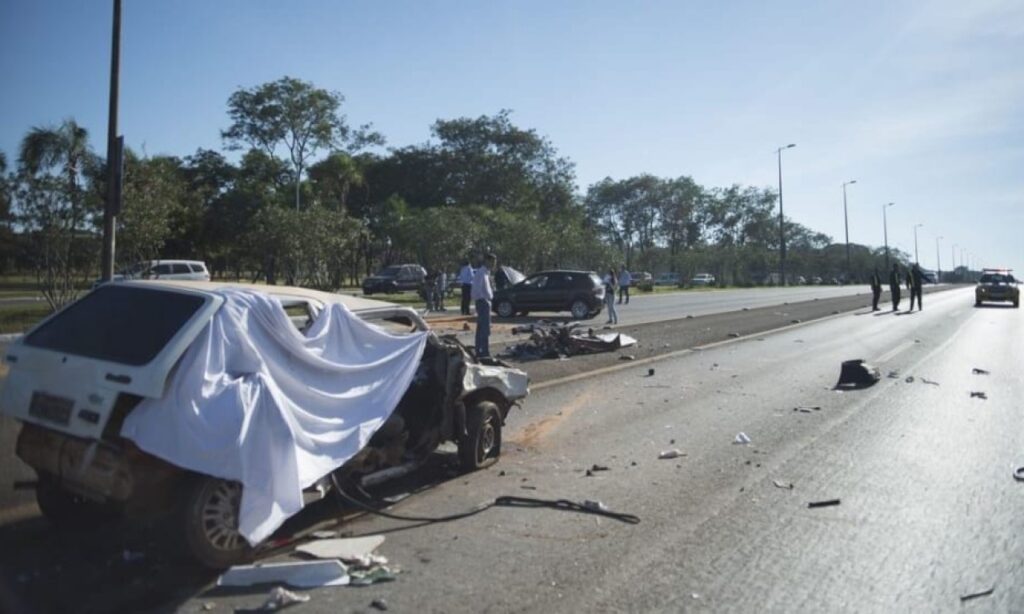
312	200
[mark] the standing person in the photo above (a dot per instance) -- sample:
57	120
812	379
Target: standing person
440	287
610	283
482	296
466	281
876	289
428	290
915	279
894	286
625	279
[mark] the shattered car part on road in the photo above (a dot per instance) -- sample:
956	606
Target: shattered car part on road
556	340
858	374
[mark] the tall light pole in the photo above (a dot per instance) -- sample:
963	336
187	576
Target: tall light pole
916	259
952	257
782	223
938	262
885	231
111	209
846	226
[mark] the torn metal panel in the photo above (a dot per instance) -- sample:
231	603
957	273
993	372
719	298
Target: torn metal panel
555	340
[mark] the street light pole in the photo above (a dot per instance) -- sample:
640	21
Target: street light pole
938	262
917	260
782	223
110	210
885	231
846	226
952	257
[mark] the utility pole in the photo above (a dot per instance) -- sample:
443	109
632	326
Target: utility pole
938	262
885	231
917	260
113	204
782	223
846	225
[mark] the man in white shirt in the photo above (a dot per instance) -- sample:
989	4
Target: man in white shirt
625	279
482	295
466	281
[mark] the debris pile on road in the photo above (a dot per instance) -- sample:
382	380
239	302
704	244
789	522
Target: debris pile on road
561	340
857	374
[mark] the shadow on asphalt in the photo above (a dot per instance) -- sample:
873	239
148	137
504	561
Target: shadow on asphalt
129	566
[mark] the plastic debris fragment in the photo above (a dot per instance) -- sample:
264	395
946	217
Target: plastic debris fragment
673	453
741	438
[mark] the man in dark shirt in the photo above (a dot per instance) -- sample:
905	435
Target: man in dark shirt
894	286
915	281
876	289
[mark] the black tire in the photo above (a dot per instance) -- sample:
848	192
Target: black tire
977	303
505	308
579	309
481	445
210	520
67	510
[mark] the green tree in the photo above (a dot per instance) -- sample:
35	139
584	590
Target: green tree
154	203
295	116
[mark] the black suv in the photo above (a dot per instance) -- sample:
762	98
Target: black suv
395	278
578	292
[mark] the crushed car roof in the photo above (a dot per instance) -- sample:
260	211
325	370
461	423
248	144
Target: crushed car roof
354	303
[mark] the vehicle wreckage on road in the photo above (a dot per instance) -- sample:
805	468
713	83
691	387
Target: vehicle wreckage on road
236	405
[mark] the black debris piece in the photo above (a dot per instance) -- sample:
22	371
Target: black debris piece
977	371
910	379
975	394
825	503
925	380
734	335
1018	474
650	372
627	357
807	408
599	468
984	593
379	604
857	374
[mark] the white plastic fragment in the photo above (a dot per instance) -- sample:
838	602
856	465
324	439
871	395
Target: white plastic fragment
280	598
673	453
741	438
346	549
306	574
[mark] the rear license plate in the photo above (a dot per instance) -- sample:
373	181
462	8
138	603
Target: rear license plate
52	408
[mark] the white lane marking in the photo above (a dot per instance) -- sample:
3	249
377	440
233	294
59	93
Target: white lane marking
899	349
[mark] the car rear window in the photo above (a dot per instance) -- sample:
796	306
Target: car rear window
198	268
119	324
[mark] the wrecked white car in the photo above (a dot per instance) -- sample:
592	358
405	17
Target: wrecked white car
237	405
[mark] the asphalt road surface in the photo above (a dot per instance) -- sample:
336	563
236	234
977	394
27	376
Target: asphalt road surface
928	508
929	511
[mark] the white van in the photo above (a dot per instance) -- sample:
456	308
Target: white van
194	270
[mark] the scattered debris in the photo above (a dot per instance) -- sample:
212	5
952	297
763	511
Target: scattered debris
371	575
978	395
673	453
379	604
794	321
825	503
977	371
741	438
835	313
595	505
650	372
781	484
348	550
910	379
894	375
807	408
466	326
306	574
280	598
525	487
627	357
599	468
559	340
984	593
925	380
734	335
1018	474
857	374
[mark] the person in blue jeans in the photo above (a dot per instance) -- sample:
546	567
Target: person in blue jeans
482	295
611	284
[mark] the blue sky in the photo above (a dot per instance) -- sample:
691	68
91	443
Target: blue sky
921	102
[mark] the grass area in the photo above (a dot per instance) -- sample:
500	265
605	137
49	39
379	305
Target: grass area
19	318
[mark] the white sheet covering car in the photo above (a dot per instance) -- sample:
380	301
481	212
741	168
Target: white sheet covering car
211	394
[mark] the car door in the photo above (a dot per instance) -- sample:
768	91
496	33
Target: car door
556	297
529	293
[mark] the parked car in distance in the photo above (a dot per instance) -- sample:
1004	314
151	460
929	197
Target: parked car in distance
643	281
581	293
668	279
395	278
997	285
703	279
192	270
76	377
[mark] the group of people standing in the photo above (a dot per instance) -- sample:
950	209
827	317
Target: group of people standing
914	279
616	282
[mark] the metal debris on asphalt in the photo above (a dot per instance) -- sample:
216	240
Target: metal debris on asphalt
650	372
280	598
673	453
807	408
984	593
559	340
825	503
857	374
925	380
781	484
595	505
379	604
1018	474
910	379
627	357
734	335
977	371
975	394
347	549
741	438
599	468
305	574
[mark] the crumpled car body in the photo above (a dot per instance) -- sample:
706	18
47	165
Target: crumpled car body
75	378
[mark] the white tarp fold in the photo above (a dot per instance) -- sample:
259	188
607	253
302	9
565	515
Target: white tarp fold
255	400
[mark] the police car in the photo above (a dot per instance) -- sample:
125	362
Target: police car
997	285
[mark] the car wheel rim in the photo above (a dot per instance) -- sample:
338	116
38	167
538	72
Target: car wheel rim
579	310
505	309
219	516
488	438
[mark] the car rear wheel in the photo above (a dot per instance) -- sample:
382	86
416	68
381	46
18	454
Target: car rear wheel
579	309
210	518
506	309
481	444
